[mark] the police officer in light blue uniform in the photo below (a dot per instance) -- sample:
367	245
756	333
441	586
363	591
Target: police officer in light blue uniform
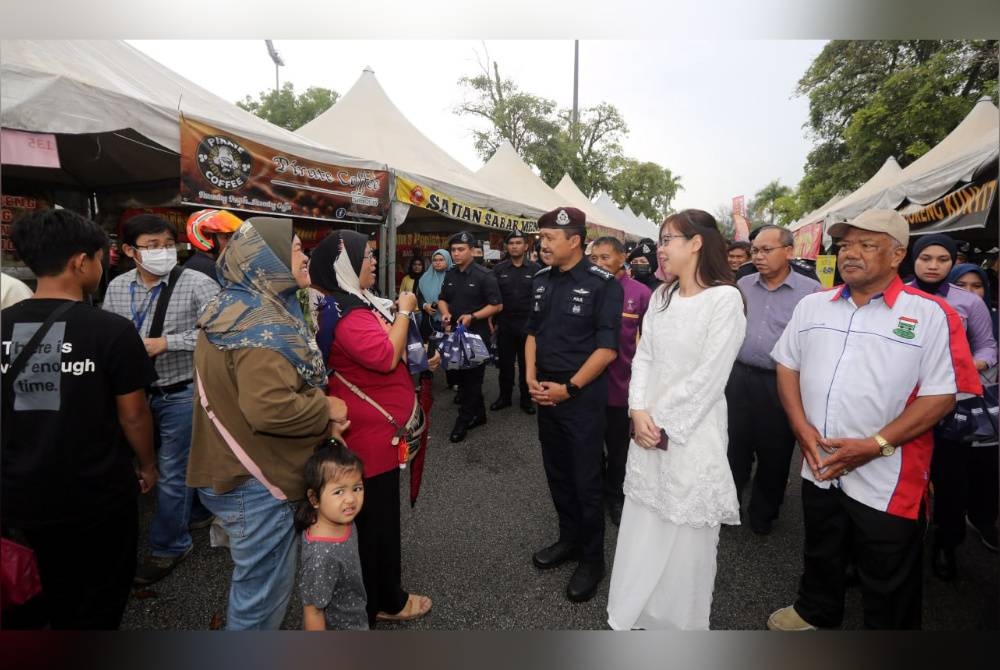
572	337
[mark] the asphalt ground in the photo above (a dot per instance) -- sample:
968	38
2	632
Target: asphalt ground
484	507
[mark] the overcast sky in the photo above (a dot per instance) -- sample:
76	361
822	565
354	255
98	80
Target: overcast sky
719	113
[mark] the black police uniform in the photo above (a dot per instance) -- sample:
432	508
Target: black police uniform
574	313
467	291
512	325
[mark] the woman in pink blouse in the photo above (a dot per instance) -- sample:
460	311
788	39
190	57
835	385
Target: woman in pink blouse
369	352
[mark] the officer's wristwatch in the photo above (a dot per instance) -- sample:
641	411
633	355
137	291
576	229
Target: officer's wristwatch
884	447
572	389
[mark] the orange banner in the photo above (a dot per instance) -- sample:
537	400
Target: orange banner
223	170
808	239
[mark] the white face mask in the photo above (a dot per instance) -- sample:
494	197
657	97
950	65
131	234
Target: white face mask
159	262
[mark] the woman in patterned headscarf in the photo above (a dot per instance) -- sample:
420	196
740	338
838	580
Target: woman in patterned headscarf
260	410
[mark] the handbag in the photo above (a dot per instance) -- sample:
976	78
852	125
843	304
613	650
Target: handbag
462	350
19	578
974	418
416	355
407	437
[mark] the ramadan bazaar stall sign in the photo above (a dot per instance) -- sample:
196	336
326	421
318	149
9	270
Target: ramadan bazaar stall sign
964	208
423	196
223	170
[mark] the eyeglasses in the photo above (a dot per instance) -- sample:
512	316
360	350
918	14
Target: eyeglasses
370	256
665	239
766	250
155	246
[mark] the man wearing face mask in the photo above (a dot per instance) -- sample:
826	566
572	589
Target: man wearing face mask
163	302
642	263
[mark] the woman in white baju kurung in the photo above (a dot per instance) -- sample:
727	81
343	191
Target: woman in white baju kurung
675	500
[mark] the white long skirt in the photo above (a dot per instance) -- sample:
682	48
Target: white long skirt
663	574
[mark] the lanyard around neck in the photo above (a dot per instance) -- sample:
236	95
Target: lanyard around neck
139	317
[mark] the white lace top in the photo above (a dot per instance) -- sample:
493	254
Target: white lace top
679	376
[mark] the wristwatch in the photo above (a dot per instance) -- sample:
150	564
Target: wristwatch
884	447
572	389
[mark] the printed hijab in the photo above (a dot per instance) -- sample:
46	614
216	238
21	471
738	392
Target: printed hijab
257	306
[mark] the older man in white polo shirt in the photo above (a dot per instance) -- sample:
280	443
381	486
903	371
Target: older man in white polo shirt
864	372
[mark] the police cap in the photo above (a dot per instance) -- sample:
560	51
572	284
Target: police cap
564	217
462	238
515	234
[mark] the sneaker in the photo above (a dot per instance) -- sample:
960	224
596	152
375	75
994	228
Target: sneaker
988	536
155	568
789	620
197	524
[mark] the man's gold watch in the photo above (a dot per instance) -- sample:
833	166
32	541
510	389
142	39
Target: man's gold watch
884	447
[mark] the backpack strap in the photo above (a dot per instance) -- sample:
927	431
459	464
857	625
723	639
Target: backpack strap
156	327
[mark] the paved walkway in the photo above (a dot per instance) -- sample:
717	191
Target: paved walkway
485	507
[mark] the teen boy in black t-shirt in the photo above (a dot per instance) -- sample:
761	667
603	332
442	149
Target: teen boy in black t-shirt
72	421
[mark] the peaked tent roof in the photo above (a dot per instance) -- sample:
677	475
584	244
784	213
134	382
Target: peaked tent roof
624	221
507	172
571	193
973	143
644	226
88	87
880	191
818	214
364	121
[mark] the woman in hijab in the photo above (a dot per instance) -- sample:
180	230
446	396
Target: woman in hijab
259	411
974	279
368	353
933	258
413	274
429	288
643	264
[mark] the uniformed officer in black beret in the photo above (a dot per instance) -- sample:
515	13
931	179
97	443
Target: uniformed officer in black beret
514	275
469	296
572	337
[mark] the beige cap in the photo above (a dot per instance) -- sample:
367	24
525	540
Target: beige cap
887	221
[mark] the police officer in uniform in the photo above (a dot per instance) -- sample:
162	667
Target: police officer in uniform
469	296
514	276
572	337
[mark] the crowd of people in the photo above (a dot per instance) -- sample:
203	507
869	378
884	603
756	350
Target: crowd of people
270	394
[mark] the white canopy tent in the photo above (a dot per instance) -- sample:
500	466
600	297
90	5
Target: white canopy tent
972	146
878	192
621	219
506	172
116	112
571	193
643	225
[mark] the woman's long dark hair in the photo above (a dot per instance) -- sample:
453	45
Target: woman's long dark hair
331	459
711	267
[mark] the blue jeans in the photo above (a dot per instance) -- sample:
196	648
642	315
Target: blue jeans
168	532
262	542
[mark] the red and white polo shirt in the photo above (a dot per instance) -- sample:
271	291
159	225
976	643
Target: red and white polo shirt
859	367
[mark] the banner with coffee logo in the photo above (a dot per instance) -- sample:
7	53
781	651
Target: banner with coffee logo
223	170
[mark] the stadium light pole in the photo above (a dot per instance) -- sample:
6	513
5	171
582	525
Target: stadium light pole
276	57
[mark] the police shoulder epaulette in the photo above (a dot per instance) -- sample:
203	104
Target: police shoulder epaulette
543	271
601	272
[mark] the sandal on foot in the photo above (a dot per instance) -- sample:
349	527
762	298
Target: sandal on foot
416	607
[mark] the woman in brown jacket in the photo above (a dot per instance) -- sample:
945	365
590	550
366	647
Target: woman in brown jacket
260	410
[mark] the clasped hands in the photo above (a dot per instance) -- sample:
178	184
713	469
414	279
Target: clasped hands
647	433
845	453
547	394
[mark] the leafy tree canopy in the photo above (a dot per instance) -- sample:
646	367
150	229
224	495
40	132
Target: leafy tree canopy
284	108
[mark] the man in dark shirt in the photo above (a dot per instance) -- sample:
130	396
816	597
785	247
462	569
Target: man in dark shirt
470	296
572	337
514	277
72	421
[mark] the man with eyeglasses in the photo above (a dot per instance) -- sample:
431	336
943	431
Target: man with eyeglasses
797	264
163	302
864	373
758	427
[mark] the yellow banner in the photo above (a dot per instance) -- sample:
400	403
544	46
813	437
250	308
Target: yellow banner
423	196
825	267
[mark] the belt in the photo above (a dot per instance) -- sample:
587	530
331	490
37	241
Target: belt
170	388
754	368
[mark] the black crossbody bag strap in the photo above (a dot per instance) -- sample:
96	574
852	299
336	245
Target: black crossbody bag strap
18	364
156	327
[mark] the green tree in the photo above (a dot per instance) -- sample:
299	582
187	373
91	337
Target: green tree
587	151
646	187
869	100
764	201
284	108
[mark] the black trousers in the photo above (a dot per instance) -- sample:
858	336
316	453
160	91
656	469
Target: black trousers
965	483
510	342
86	567
616	440
886	551
571	434
379	546
758	428
470	391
